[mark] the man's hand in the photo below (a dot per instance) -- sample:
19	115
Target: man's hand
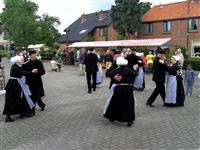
135	67
118	77
35	71
161	61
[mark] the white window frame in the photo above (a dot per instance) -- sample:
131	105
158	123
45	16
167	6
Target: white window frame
167	26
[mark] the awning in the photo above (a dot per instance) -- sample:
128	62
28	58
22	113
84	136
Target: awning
123	43
4	42
36	46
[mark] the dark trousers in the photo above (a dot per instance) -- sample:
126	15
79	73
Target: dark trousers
160	89
38	101
94	76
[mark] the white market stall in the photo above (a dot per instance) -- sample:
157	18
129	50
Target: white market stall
123	43
36	47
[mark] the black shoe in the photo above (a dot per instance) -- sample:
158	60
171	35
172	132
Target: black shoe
22	115
30	115
150	105
111	120
9	120
130	124
94	89
89	91
42	108
140	89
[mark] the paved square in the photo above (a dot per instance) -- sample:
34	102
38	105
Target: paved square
73	120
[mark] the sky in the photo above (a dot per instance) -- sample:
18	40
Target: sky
70	10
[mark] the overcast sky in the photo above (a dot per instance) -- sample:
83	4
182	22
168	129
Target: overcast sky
70	10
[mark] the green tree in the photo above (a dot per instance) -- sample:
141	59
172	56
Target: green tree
126	16
24	27
46	30
19	21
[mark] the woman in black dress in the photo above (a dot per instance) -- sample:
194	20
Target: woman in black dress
17	94
120	102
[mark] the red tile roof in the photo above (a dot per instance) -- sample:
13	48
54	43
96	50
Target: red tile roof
172	11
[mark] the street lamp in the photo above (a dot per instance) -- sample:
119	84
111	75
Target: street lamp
187	34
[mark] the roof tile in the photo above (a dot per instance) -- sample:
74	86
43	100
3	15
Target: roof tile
172	11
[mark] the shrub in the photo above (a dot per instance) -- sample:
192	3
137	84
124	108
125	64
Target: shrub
195	62
46	53
143	49
3	53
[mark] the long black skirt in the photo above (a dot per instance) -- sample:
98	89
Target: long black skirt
180	98
12	103
121	107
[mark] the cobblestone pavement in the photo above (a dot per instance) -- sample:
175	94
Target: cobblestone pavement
73	120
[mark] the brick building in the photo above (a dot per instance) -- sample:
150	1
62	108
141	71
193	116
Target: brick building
97	25
170	21
161	21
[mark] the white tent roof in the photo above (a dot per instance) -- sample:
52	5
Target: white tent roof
122	43
3	42
36	46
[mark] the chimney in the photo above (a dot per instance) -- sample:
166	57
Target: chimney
161	5
83	18
101	15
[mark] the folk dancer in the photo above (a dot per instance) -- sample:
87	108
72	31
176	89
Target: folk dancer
120	102
17	98
158	77
35	81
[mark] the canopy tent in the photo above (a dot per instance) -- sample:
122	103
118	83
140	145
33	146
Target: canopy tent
4	42
123	43
36	46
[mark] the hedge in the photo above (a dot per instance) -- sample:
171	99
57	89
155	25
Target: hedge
195	62
3	53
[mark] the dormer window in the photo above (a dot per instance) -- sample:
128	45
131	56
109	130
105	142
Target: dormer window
101	15
83	18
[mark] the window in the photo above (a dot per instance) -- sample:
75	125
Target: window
197	51
149	28
193	24
102	31
167	26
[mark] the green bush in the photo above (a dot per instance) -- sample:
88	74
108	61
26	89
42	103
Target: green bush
169	54
195	62
3	53
46	53
143	49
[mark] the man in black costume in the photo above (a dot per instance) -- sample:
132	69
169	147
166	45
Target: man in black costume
35	81
91	69
158	77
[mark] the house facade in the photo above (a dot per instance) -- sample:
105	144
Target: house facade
97	26
179	21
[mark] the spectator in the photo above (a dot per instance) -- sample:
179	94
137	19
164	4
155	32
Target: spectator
149	59
179	53
108	59
189	79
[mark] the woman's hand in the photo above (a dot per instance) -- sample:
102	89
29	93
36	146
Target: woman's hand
118	77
